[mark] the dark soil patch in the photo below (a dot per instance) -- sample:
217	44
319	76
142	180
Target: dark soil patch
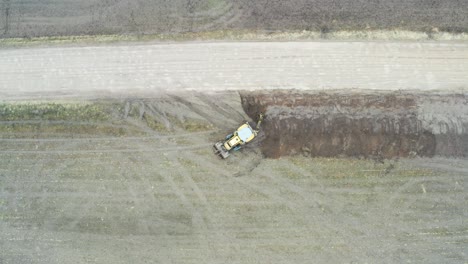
383	125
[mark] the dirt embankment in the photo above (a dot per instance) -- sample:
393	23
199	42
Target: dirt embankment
377	124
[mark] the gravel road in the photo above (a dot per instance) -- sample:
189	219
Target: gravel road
151	68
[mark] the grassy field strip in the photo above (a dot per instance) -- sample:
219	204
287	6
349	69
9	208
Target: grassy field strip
227	35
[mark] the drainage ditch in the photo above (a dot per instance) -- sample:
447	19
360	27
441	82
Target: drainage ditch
360	124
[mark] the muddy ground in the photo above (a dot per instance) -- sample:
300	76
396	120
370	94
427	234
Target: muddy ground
135	181
20	18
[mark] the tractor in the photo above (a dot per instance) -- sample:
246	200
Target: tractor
234	141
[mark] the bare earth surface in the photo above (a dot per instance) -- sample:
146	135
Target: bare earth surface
143	186
149	69
131	177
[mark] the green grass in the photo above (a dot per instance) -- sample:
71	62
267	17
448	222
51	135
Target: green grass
189	124
192	125
73	118
104	117
238	35
54	112
44	130
152	123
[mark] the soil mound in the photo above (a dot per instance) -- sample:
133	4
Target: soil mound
361	124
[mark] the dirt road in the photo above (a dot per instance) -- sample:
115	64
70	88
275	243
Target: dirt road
152	68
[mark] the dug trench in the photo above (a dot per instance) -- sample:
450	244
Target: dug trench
367	124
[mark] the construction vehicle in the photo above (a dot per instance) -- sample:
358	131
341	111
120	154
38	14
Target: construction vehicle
234	141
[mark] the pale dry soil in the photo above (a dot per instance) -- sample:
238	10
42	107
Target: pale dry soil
141	185
136	69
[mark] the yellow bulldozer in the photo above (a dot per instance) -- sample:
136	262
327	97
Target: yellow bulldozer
234	141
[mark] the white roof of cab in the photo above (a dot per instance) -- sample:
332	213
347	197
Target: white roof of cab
245	133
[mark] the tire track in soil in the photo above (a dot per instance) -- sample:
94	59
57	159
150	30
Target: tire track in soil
129	175
230	179
351	221
324	222
402	199
219	232
86	209
83	208
14	200
198	221
402	202
161	116
62	139
219	120
136	150
213	168
218	106
212	225
272	195
38	171
305	212
444	167
149	185
144	179
291	187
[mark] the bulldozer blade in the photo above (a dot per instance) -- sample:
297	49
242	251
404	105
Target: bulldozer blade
219	150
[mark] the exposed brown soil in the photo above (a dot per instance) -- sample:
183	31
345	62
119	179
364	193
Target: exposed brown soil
364	124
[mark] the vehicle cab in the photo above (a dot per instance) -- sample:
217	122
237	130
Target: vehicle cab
242	135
